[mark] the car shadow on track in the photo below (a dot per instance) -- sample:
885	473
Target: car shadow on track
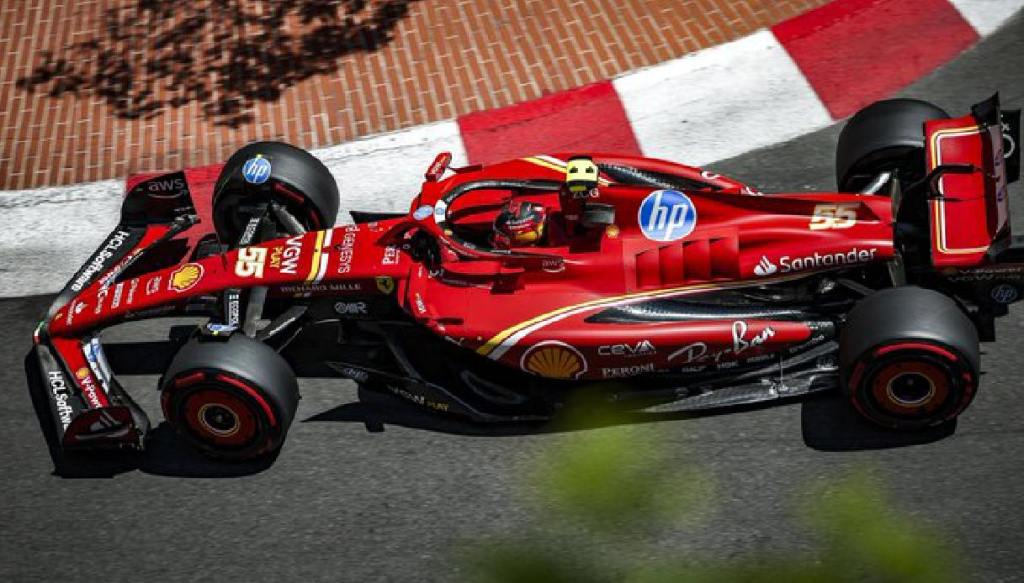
828	423
165	455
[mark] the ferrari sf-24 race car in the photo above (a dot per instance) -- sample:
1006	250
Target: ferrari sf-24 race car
656	286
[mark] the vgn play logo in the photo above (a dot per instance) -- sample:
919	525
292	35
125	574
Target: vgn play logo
667	215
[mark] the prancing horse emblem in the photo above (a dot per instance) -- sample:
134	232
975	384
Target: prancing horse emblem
385	284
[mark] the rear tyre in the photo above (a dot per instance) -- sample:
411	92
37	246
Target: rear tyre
886	135
909	358
290	176
232	400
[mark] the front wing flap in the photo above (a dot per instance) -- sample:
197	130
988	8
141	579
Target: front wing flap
73	389
69	414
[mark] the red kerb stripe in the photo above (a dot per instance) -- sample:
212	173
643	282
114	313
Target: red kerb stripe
587	119
854	52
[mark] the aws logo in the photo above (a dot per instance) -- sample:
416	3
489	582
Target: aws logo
172	188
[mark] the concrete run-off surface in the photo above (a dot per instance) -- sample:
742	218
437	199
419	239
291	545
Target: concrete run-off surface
92	90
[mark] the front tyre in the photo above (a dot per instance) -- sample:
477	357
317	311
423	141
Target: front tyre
233	400
909	358
262	173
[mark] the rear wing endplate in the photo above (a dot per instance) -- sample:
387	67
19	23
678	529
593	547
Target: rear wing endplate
970	210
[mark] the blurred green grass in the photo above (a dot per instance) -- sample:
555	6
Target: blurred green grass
603	500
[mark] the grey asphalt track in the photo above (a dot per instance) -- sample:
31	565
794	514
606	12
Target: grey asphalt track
343	504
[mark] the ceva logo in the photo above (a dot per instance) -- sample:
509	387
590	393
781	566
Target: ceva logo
667	215
256	170
765	267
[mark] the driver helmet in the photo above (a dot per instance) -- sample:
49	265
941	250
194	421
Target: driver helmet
519	223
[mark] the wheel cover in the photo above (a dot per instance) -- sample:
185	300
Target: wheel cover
911	384
220	418
910	388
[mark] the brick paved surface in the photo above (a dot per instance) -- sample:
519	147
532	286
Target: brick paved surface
100	89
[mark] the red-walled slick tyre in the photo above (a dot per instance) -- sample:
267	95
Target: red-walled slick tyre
909	358
232	399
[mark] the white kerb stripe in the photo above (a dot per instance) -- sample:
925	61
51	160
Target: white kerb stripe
385	172
721	102
987	15
47	233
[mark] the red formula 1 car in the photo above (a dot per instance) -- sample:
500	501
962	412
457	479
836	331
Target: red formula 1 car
505	287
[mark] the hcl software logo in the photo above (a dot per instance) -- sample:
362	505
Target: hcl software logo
667	215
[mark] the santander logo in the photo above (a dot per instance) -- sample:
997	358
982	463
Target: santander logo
765	267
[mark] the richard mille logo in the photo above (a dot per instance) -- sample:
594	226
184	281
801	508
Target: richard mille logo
765	267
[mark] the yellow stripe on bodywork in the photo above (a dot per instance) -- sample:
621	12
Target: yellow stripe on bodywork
499	338
559	167
314	268
546	164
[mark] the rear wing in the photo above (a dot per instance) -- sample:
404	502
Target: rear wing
970	212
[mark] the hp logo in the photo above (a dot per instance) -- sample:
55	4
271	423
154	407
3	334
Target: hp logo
1004	293
256	170
667	215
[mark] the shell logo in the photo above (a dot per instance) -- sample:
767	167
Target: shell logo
82	373
186	276
554	360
